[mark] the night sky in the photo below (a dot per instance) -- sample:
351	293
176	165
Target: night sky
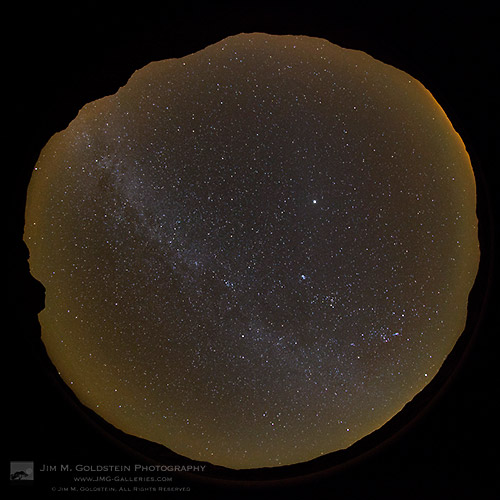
255	254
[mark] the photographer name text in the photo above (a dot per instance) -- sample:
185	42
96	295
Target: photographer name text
121	468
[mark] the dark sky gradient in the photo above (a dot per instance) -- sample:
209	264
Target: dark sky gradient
256	254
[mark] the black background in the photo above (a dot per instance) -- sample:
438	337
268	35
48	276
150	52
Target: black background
58	59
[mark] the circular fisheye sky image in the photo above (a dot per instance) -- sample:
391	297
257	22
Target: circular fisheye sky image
256	254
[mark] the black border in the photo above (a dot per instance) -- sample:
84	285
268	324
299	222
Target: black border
65	56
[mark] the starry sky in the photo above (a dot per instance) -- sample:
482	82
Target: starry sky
255	254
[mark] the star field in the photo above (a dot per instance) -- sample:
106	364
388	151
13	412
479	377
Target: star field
255	254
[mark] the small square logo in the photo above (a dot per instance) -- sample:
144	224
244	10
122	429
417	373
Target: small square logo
21	471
